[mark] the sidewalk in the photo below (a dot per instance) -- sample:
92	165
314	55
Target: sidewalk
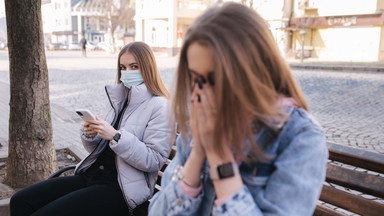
65	125
314	64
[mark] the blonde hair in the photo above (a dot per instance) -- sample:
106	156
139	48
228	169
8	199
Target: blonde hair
147	66
250	75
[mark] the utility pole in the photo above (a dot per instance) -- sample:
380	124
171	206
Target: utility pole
303	32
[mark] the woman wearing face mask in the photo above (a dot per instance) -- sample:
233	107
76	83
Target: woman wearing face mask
248	145
127	148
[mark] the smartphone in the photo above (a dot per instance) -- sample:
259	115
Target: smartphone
85	114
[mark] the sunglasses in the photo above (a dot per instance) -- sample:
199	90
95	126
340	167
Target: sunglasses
200	80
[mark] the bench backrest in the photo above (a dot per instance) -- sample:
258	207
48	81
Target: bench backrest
352	175
345	183
161	172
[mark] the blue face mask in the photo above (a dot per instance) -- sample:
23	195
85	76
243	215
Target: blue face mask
131	78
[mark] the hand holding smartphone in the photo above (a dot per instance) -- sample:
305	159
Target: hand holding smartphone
85	114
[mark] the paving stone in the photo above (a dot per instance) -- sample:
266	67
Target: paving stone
348	104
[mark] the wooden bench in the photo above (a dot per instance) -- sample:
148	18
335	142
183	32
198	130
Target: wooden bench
352	175
161	172
344	173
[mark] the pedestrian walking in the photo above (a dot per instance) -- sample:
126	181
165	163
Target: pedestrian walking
83	46
127	149
248	145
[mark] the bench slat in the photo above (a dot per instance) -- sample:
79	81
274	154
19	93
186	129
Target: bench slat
356	157
323	211
364	182
350	202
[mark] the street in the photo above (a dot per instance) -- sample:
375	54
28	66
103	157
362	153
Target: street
349	105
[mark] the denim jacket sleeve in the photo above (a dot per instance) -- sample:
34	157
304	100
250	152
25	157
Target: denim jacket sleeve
172	200
295	185
293	188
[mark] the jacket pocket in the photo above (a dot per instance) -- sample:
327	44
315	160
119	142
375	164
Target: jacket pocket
255	180
256	174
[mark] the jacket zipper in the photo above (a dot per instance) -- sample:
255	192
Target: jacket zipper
117	165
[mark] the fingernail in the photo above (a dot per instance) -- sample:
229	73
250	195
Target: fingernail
196	80
203	79
199	83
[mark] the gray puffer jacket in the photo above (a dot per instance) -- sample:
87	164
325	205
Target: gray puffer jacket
144	145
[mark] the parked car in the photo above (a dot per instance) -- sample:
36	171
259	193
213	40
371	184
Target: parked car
3	45
74	46
91	46
102	46
57	46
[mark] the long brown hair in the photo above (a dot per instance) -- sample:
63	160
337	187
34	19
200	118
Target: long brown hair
250	75
147	65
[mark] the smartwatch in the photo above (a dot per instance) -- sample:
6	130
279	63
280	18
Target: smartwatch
116	138
223	171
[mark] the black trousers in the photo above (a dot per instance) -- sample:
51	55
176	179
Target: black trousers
70	195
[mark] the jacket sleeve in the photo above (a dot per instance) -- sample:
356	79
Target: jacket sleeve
88	142
171	199
295	185
150	154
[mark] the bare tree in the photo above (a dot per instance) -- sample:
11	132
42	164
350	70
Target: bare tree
114	14
247	3
31	150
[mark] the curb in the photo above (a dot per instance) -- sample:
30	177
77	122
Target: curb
73	150
338	67
76	152
4	207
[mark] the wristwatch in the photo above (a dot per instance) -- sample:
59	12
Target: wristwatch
116	138
223	171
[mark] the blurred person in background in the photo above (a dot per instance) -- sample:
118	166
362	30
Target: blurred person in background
83	46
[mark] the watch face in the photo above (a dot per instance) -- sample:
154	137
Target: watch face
117	137
225	170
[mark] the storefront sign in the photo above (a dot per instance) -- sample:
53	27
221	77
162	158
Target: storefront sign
343	20
356	20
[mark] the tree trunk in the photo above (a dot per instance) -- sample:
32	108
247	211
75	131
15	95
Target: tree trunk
32	155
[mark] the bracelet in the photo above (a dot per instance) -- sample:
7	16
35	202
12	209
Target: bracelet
86	135
178	175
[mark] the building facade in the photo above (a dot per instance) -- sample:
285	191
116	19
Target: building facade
162	23
342	30
99	21
59	26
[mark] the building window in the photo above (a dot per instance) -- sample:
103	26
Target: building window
153	36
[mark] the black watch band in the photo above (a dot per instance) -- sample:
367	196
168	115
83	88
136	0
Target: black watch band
116	138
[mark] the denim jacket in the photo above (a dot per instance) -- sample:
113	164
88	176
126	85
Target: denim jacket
289	184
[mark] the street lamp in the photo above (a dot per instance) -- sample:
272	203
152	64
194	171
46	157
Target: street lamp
303	32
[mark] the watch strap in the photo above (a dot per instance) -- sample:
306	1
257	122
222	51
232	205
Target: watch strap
116	138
